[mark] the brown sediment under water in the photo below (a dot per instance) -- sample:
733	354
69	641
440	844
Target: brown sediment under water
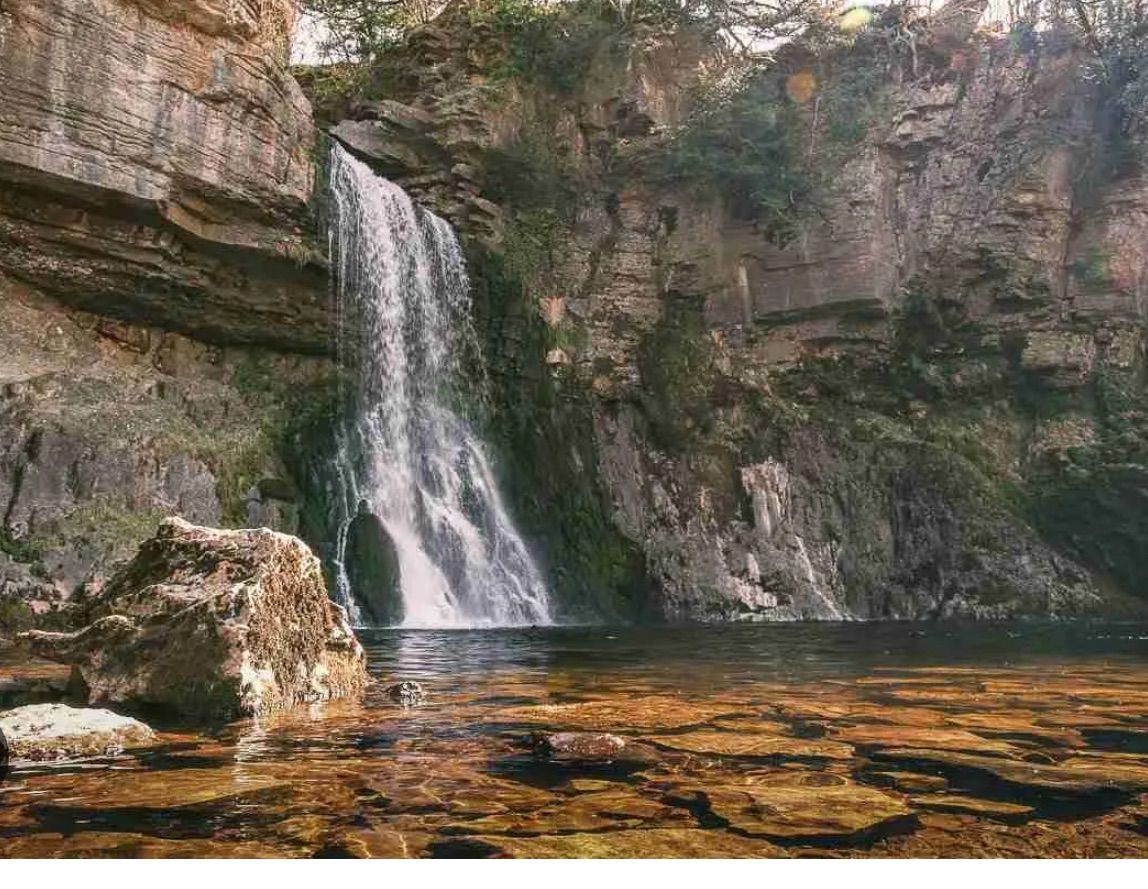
888	740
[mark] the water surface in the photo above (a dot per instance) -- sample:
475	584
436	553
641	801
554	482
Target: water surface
749	740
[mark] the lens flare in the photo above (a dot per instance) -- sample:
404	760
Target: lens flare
854	19
801	87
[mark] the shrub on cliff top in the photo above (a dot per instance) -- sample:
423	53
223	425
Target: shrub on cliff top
551	44
765	137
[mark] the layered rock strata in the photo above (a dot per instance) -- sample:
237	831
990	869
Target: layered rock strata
885	414
156	160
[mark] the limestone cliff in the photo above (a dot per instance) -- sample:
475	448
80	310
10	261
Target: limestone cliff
912	388
924	400
107	427
156	174
156	165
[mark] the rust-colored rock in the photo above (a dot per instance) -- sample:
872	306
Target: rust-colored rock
845	811
580	746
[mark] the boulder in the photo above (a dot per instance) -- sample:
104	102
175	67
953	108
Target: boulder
214	624
47	732
591	747
406	693
372	564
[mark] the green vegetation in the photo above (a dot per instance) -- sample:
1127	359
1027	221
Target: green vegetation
359	31
106	523
289	419
543	428
769	137
742	147
554	46
20	549
1093	498
676	362
1092	271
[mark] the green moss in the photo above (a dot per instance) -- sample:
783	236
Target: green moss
676	363
290	421
17	616
542	426
109	524
20	550
1095	504
1092	271
534	245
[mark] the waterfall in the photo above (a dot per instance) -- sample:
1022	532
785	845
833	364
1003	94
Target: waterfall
410	466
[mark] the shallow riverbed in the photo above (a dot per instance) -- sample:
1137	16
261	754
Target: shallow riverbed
766	740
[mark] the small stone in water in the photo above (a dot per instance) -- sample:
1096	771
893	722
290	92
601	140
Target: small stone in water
406	693
574	746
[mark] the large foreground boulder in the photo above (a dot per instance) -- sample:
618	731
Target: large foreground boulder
214	624
48	732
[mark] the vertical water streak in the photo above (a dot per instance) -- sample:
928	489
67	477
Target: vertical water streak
405	452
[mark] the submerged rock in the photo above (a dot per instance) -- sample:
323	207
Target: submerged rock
214	624
907	782
998	810
579	745
644	713
846	812
1072	778
46	732
711	743
672	842
591	747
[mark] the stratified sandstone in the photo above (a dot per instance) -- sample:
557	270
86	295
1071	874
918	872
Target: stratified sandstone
156	162
214	624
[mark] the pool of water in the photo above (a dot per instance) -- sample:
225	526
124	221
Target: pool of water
735	741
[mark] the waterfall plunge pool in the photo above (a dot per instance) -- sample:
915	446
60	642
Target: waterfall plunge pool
755	740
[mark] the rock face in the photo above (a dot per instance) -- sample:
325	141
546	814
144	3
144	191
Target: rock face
45	732
214	624
156	169
372	565
925	402
106	427
156	163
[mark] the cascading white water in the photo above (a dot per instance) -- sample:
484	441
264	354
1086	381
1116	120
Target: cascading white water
405	454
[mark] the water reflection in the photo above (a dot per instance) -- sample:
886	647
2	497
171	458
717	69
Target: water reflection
700	655
896	740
